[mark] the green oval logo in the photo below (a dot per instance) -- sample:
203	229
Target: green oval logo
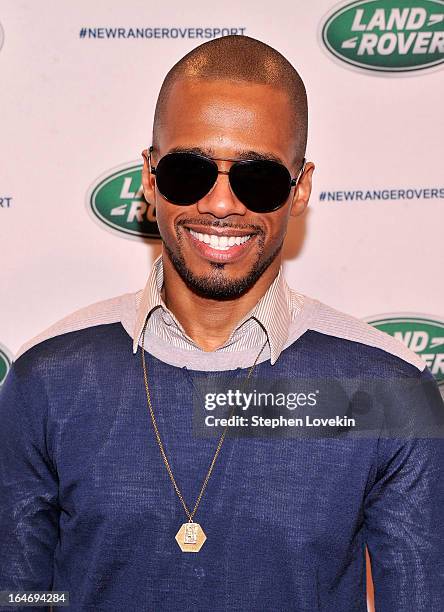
5	362
387	35
116	200
420	334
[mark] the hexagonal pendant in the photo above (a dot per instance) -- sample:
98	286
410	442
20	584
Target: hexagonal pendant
190	537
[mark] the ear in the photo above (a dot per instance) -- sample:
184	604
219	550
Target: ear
302	191
148	180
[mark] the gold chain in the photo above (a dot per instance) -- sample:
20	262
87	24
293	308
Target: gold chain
189	514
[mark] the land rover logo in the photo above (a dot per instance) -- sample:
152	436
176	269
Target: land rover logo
423	335
5	363
116	200
391	36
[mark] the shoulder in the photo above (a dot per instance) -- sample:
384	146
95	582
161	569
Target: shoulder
83	322
347	339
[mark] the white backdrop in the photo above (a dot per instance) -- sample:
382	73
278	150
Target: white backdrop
75	104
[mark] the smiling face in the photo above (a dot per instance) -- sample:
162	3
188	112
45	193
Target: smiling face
216	245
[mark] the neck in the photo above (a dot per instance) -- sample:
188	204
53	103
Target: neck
210	322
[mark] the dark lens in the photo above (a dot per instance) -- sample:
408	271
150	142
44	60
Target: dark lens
185	178
262	185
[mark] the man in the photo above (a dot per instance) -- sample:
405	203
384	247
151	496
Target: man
105	488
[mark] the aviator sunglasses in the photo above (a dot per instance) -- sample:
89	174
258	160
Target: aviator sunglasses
184	178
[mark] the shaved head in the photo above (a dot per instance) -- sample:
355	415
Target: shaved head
241	59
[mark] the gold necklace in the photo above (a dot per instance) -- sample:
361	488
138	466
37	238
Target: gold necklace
190	536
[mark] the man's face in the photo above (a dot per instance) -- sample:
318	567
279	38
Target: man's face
225	119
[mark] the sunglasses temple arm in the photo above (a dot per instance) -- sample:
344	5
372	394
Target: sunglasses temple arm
151	168
295	181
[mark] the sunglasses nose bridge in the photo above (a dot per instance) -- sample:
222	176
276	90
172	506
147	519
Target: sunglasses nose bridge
221	168
221	200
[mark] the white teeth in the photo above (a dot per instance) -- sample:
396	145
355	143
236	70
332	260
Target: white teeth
220	243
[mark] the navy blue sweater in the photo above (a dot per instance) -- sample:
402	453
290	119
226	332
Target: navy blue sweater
86	504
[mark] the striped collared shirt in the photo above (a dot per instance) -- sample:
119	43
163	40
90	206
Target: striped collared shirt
268	320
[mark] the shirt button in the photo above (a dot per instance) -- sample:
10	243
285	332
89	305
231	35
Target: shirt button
199	571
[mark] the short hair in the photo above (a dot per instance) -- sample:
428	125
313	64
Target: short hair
241	58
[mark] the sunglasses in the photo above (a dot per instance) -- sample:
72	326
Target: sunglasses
184	178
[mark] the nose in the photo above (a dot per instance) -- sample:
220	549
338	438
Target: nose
221	201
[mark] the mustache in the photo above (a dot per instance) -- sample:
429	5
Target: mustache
220	223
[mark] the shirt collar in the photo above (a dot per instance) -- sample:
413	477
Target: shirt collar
272	311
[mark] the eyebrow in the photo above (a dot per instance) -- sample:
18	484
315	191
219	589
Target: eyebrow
241	155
